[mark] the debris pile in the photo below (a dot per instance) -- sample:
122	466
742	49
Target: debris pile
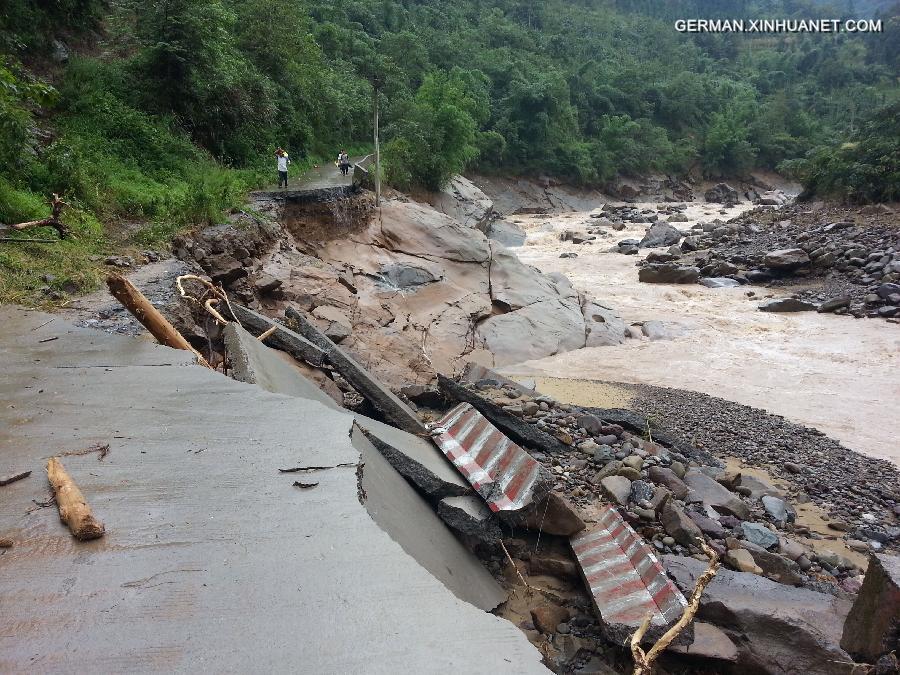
851	255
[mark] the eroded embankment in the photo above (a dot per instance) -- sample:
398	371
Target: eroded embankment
410	290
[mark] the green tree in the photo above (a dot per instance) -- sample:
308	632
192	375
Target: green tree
437	137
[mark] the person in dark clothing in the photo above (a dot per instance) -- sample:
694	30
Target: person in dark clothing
343	162
283	161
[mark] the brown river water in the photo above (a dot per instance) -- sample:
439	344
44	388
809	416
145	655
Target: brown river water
834	373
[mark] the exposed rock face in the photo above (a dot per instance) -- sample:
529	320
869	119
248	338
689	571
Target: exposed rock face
415	291
873	625
464	201
776	628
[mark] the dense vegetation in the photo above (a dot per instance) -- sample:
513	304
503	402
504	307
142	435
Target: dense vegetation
864	169
164	112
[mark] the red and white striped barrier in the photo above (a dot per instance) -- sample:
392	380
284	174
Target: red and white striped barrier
500	471
624	576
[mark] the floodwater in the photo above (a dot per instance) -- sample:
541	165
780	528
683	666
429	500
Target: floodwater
835	373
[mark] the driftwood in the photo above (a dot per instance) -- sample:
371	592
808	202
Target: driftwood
217	292
56	207
643	661
144	311
73	510
13	477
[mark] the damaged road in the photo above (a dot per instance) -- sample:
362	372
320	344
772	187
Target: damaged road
272	562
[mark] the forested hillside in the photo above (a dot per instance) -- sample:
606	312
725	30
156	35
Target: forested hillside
166	111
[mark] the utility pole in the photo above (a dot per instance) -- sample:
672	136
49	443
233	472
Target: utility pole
375	87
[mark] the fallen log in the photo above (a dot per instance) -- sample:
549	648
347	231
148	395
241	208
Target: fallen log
56	207
144	311
73	509
28	240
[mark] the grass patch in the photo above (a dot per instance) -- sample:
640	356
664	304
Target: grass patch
42	275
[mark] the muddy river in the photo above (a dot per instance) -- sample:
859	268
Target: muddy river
834	373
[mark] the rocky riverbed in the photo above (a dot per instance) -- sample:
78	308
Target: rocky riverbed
816	369
833	258
777	542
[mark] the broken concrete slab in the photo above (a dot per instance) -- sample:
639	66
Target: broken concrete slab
505	476
416	459
469	516
625	579
283	338
195	507
776	628
714	495
873	625
254	363
516	428
383	399
411	522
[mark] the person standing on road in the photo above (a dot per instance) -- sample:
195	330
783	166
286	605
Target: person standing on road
283	161
343	162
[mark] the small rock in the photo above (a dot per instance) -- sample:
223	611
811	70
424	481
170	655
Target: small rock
741	560
679	526
759	535
547	617
617	488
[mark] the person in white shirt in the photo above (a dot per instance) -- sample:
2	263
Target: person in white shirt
283	161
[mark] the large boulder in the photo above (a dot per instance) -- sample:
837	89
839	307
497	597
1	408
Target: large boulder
660	234
786	259
786	305
714	496
776	628
602	326
722	193
668	273
540	329
873	626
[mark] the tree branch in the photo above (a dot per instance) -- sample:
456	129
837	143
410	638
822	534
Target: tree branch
56	207
643	662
